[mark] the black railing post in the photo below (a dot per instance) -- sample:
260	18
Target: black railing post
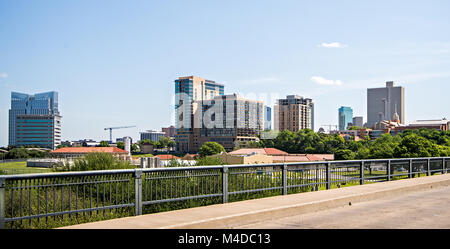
225	184
284	175
2	203
361	173
428	167
328	177
443	166
389	170
410	169
138	192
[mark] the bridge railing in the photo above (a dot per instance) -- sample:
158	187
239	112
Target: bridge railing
57	199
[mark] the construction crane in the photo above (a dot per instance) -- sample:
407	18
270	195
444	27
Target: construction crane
329	127
119	127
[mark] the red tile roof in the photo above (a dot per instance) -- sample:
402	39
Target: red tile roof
314	158
190	156
167	157
84	150
273	151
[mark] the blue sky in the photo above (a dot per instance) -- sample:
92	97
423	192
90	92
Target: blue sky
114	62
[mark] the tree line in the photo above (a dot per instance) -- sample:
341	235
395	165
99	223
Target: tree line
23	152
409	144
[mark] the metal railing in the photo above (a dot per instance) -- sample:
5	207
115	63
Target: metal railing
22	171
58	199
13	160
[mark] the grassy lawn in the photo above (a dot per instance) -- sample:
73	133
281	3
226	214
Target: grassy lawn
142	155
20	168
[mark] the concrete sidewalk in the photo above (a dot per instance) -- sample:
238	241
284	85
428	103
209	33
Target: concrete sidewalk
242	213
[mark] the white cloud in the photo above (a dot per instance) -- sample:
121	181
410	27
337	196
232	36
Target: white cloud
331	45
3	75
322	81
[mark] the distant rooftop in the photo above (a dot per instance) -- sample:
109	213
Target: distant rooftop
206	80
152	131
430	122
83	150
167	157
264	151
389	84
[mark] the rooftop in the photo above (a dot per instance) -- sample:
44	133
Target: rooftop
167	157
264	151
430	122
89	150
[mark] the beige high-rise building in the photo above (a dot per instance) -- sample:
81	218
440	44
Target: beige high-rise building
294	113
229	120
189	91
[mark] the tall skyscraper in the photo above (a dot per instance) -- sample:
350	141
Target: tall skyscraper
267	118
34	120
294	113
188	91
383	103
345	117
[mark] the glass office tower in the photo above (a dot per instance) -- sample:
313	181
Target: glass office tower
267	118
34	120
345	117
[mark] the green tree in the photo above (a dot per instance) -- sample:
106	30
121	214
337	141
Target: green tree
171	144
413	145
344	154
362	153
204	161
164	141
210	148
135	148
17	153
333	143
103	144
383	147
121	145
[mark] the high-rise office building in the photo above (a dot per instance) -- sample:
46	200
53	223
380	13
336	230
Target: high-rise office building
34	120
383	103
151	135
267	118
169	131
345	117
358	121
228	120
294	113
188	91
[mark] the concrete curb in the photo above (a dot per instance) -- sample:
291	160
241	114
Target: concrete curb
242	213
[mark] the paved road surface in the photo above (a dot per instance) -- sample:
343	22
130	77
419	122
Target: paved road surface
424	209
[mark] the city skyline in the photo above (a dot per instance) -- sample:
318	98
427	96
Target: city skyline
112	71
